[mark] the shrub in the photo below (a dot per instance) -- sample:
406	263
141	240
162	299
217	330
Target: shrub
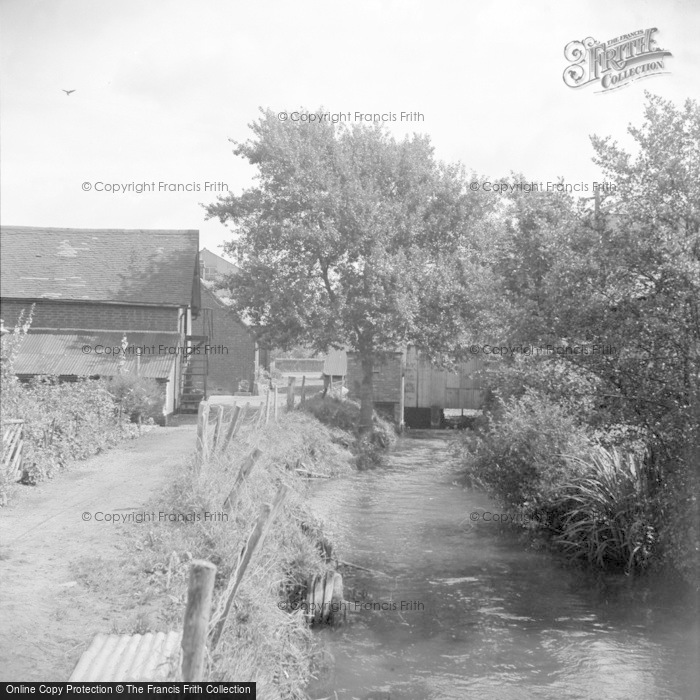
62	420
679	534
558	379
334	412
344	414
609	520
520	459
138	398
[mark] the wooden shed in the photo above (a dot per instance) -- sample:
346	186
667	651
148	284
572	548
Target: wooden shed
427	385
427	391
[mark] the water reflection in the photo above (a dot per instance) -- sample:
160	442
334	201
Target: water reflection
495	619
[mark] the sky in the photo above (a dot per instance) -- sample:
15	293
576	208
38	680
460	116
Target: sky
161	87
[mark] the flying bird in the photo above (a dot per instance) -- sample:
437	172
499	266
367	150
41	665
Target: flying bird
68	92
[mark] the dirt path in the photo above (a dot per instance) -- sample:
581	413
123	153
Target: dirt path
48	610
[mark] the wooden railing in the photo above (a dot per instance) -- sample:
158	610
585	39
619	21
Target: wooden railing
12	443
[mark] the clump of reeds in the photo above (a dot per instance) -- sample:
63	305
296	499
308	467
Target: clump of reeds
606	514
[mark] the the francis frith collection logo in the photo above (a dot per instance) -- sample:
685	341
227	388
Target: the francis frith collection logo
615	63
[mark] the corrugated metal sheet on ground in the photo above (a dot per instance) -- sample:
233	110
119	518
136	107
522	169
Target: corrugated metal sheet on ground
61	353
130	657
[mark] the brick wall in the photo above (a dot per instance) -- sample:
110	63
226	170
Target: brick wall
64	314
237	360
387	379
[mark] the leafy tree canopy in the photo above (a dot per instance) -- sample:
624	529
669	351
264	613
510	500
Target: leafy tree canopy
344	238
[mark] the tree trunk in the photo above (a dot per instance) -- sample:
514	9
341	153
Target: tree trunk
366	394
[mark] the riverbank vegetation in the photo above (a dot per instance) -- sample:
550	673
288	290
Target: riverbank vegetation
583	300
594	408
343	415
267	639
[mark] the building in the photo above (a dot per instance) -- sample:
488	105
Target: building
231	363
409	388
430	390
212	266
92	288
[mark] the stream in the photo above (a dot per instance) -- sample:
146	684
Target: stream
459	606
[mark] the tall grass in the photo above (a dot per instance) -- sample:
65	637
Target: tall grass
608	519
343	414
267	639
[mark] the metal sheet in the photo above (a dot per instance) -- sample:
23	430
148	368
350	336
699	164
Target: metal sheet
63	353
336	363
130	657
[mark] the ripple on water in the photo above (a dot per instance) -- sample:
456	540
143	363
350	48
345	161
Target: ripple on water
498	620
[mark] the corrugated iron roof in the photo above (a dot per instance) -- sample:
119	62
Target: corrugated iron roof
62	353
129	266
299	365
130	657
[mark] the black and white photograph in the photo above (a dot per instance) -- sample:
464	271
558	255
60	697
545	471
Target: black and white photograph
350	351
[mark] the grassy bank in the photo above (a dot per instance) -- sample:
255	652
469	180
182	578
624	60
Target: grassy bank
267	639
342	416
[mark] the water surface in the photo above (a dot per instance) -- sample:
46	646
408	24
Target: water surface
467	610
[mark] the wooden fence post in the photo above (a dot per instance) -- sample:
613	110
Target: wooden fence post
275	396
217	430
302	398
202	436
236	419
256	538
267	406
243	473
260	418
194	633
290	393
324	599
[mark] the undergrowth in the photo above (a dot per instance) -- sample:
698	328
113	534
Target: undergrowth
596	495
266	639
343	414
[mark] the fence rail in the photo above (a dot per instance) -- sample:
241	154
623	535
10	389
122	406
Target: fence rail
12	444
218	426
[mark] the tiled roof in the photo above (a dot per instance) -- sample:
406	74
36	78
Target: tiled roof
128	266
62	353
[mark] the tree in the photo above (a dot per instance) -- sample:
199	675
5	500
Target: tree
622	275
341	237
637	287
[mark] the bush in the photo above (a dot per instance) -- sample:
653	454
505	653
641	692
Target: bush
679	534
521	458
63	421
138	398
344	414
609	520
333	412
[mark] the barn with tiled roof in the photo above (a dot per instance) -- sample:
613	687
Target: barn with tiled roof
92	287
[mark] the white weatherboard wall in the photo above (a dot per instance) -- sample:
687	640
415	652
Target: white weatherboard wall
426	386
